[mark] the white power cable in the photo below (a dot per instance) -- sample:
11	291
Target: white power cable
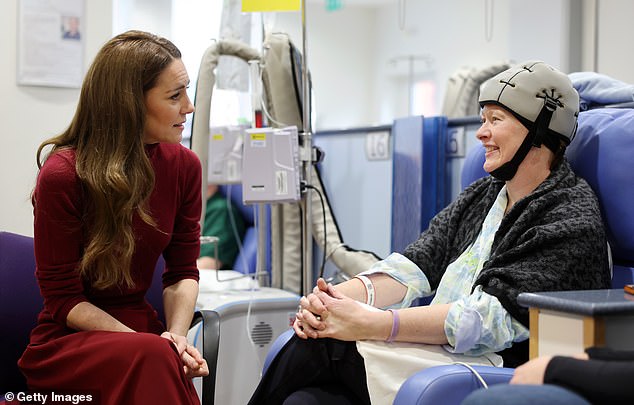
263	105
253	285
478	376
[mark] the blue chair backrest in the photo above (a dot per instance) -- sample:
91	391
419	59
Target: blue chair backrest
246	261
235	194
472	168
154	294
20	302
601	154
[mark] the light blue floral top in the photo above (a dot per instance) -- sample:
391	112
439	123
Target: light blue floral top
476	323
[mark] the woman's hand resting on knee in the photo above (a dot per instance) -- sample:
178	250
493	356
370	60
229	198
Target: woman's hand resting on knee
194	364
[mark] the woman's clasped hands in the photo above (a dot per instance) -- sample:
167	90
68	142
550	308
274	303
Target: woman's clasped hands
328	313
193	362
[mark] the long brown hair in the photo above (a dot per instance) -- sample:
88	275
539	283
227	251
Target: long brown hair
107	136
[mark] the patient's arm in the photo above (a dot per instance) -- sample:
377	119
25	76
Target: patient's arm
386	289
208	263
342	317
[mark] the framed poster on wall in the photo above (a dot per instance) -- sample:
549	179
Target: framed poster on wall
51	43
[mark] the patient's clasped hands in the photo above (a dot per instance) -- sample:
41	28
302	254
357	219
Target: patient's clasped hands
326	312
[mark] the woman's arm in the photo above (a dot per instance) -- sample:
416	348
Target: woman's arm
58	230
85	317
387	290
387	282
600	381
343	317
424	324
179	300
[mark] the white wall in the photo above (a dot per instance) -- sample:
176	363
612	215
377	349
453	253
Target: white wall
148	15
348	53
451	33
351	51
31	114
614	49
340	54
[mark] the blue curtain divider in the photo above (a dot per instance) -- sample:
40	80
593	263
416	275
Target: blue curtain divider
418	181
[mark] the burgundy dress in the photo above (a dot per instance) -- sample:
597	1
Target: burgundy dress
119	368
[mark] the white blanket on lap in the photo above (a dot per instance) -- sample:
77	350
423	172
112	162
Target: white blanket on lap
388	365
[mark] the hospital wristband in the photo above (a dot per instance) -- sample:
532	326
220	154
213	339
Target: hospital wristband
369	288
396	322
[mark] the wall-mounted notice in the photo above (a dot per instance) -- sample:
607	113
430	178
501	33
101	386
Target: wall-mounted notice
51	43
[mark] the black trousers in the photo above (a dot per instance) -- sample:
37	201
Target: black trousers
314	371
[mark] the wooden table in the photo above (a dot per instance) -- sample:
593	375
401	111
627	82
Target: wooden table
567	322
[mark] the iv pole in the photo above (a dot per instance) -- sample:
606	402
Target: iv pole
306	157
307	161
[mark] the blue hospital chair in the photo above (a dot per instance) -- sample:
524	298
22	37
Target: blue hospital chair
602	154
20	302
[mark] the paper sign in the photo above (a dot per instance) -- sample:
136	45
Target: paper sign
51	36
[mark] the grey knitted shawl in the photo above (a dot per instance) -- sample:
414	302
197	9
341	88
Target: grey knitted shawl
551	240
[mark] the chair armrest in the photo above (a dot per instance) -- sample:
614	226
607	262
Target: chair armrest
448	384
207	337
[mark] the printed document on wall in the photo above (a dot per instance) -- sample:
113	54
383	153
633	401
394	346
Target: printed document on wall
51	38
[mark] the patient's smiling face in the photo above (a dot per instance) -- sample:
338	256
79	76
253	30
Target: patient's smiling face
501	135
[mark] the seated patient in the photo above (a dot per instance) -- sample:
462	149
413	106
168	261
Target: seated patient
598	376
533	225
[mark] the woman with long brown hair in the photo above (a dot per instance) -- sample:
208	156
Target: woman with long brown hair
114	192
